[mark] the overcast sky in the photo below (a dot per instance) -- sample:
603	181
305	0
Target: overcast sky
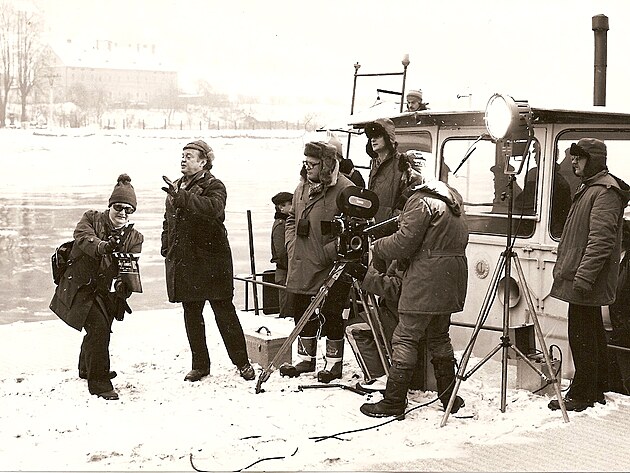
540	50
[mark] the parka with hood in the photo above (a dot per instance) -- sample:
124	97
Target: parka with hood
590	246
195	241
312	254
431	245
386	177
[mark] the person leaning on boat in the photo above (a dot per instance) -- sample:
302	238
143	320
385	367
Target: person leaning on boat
586	271
198	259
84	298
311	258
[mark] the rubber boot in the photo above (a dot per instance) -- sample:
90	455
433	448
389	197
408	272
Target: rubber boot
307	351
444	369
395	400
334	361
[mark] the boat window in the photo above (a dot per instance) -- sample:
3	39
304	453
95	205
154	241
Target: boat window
419	141
617	149
482	182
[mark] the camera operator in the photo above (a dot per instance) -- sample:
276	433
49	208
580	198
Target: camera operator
311	258
90	295
430	247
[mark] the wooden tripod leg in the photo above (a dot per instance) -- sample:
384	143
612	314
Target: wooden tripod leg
541	337
317	302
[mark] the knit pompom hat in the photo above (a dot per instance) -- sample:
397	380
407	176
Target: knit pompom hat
123	192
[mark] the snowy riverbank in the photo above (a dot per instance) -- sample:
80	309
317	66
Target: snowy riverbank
50	423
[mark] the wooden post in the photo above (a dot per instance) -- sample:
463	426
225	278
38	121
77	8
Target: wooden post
252	260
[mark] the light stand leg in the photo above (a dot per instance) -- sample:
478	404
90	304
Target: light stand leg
541	339
481	319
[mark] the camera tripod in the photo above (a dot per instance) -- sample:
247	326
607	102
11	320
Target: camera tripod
504	265
368	302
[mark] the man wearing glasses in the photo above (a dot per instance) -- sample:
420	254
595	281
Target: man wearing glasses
199	259
90	294
586	269
311	258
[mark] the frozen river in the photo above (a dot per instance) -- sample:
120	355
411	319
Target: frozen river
49	181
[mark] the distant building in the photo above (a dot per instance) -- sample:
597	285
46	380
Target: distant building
125	73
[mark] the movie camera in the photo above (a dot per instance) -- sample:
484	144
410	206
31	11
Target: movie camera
354	226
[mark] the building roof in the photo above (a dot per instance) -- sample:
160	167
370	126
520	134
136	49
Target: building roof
104	54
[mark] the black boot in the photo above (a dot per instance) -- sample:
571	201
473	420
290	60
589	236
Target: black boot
307	351
395	399
418	379
444	369
334	359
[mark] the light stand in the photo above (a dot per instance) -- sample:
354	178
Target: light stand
504	265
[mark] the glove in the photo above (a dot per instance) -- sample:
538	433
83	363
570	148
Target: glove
356	270
122	291
109	246
582	286
171	189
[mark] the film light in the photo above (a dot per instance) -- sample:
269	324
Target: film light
508	123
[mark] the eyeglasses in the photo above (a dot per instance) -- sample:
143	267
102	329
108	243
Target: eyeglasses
127	208
310	164
575	159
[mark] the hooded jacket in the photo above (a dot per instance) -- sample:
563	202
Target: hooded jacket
431	240
386	177
312	254
590	246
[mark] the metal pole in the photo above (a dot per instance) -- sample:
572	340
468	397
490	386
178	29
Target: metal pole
405	63
252	261
600	29
354	91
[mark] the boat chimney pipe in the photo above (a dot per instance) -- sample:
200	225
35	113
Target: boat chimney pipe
600	29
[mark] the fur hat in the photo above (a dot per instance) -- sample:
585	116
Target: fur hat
123	192
204	149
595	151
328	156
381	127
282	197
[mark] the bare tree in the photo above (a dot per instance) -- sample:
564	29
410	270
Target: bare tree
30	54
6	57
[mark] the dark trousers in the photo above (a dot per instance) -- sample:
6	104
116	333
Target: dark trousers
411	329
587	339
331	312
94	355
229	327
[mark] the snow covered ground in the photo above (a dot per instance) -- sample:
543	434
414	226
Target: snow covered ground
49	422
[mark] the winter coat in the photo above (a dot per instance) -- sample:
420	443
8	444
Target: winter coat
387	286
278	248
386	177
430	246
311	254
590	246
195	242
89	273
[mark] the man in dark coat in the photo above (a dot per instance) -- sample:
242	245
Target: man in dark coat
199	259
430	247
587	267
84	298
